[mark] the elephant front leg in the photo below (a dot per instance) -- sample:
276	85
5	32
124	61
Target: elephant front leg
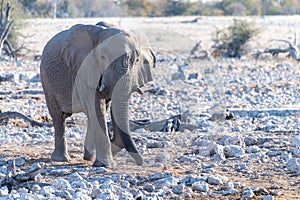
97	142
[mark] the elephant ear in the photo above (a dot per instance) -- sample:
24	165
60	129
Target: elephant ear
78	53
145	63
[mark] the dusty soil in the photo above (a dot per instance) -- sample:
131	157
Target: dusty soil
180	39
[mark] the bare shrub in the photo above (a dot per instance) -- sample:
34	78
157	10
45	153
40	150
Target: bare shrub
231	42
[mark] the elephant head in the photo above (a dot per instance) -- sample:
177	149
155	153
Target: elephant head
128	69
95	64
128	61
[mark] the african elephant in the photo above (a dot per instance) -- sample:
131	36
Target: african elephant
85	68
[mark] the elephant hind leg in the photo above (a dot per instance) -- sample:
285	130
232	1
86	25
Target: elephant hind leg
60	152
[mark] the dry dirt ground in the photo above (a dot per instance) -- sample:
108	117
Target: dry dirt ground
180	39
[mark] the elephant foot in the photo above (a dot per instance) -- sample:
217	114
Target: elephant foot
97	163
60	157
88	155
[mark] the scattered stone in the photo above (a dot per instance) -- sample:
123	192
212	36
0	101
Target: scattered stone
20	161
101	170
160	175
178	189
218	153
74	177
250	141
3	191
233	151
252	149
295	141
296	152
216	179
47	191
268	197
35	188
293	165
59	172
149	187
240	166
162	157
60	184
247	193
154	144
200	186
227	186
230	192
234	140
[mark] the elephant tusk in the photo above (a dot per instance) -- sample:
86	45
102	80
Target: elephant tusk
140	91
102	87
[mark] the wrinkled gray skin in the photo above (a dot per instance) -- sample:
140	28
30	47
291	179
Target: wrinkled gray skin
82	70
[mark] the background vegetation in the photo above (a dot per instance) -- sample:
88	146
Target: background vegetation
109	8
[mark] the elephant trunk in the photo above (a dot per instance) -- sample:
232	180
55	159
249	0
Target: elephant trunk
120	103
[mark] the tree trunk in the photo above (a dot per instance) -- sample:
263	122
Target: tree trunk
54	9
5	27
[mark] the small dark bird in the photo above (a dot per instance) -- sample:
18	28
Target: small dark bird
229	115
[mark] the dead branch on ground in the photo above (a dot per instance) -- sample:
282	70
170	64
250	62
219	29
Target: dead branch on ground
8	115
197	52
291	50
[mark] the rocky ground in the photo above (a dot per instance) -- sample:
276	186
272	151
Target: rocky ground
254	155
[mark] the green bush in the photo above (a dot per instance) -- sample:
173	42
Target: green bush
230	42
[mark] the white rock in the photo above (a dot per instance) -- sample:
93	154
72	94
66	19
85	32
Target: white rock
35	166
293	165
240	166
201	142
295	141
74	177
125	194
247	193
22	190
154	144
216	179
204	123
162	157
295	151
250	140
160	175
228	186
20	161
101	170
178	189
35	188
38	177
83	184
149	187
200	186
230	192
268	197
252	149
3	191
165	182
233	151
218	153
47	191
60	184
235	140
125	184
81	195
